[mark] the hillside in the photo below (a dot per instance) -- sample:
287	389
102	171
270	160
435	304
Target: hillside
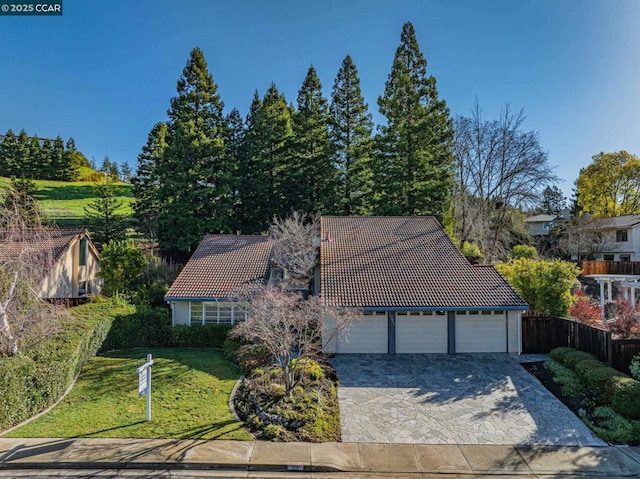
64	202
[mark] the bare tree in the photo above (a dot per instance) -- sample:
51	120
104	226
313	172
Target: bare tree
26	254
295	251
499	170
584	238
290	326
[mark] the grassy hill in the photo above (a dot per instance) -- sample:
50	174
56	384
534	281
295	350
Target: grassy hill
64	201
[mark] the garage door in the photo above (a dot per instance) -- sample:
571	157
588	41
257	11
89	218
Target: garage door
481	333
418	332
367	335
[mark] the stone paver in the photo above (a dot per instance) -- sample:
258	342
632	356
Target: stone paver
444	399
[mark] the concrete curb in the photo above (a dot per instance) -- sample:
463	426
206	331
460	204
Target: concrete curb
345	458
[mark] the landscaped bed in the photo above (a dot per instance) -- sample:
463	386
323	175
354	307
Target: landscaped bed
606	400
190	394
309	412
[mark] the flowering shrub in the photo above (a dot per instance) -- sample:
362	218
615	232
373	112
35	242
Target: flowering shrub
585	311
625	322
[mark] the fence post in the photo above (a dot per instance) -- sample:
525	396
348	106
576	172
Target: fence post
609	349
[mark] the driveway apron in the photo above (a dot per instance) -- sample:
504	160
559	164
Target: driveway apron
451	399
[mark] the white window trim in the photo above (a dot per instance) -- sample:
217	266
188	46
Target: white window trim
236	310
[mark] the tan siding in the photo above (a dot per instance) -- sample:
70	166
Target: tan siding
59	282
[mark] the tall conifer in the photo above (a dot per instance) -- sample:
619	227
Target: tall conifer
350	128
413	149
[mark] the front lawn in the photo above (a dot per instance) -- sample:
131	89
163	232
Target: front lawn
190	394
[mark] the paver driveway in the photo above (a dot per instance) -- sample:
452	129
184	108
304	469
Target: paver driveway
443	399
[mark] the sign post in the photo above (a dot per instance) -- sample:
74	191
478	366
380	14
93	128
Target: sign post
144	383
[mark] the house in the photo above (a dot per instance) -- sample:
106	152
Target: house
75	263
619	238
540	225
418	294
204	290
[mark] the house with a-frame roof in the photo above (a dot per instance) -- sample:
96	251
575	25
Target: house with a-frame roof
417	292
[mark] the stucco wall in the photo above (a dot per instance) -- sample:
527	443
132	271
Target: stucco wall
514	318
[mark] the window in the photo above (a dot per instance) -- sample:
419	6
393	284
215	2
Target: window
83	252
196	313
621	236
608	257
216	313
625	257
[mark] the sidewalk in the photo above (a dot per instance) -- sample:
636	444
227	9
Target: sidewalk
355	458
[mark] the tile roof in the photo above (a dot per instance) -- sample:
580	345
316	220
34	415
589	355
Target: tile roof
404	262
221	265
55	241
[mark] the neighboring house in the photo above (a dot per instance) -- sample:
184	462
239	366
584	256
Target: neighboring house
620	238
417	292
75	264
540	225
222	265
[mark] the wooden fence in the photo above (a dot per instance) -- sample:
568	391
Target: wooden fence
541	334
609	267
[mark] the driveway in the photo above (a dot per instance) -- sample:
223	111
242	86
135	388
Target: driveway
443	399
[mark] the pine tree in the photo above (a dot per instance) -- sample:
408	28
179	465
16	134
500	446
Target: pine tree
46	160
9	154
58	166
21	195
314	176
125	172
34	169
195	183
266	159
71	163
413	149
350	128
22	156
553	202
146	205
101	215
233	146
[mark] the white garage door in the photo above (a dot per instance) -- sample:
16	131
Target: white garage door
418	332
367	335
481	333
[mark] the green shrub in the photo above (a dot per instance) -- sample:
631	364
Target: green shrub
581	367
612	427
635	367
571	384
146	327
602	382
524	251
35	380
558	354
574	357
626	398
199	336
310	368
544	284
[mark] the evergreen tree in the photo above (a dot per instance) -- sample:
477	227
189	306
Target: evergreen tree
105	166
58	164
125	172
233	143
46	159
351	127
553	201
9	154
195	184
266	157
314	176
101	215
146	205
21	195
413	149
22	156
34	168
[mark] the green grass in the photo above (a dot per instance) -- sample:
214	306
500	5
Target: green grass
190	394
64	201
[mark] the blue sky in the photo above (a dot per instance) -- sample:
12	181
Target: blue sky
104	72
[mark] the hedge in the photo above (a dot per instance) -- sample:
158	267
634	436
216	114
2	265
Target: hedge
626	399
35	379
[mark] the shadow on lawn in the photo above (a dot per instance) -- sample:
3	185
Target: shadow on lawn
96	433
199	432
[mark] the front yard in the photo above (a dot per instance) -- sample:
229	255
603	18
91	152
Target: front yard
190	394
